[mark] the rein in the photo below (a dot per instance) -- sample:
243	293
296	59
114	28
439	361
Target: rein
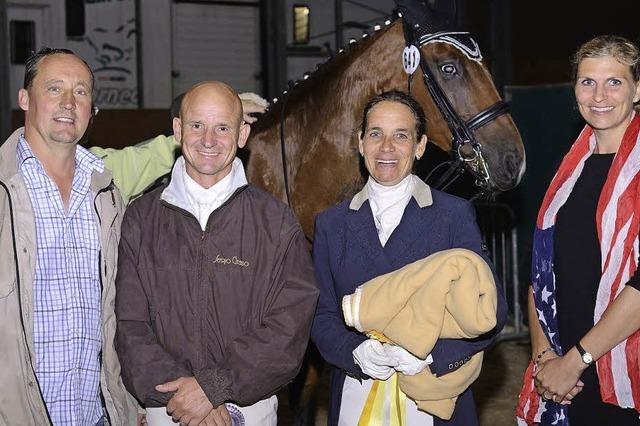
465	148
283	150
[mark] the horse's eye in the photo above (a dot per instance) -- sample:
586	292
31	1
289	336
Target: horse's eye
448	69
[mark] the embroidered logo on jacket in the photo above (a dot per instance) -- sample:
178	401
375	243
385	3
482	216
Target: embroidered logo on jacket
235	260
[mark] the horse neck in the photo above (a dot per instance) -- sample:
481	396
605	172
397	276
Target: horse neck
326	108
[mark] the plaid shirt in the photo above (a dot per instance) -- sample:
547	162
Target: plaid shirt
67	290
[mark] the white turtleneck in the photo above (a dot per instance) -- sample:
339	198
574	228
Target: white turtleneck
388	204
187	194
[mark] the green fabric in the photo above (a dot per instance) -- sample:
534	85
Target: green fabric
136	167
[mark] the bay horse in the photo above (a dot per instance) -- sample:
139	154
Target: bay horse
314	125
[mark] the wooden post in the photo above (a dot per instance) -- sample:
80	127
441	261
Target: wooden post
273	26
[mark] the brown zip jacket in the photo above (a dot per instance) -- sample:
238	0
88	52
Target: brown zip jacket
231	306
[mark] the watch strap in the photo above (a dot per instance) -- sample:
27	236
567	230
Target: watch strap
584	354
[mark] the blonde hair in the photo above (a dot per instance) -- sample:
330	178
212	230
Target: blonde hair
622	49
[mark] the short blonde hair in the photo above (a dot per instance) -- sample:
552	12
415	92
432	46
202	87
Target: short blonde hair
622	49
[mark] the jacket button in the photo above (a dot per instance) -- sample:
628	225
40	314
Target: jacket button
451	366
30	383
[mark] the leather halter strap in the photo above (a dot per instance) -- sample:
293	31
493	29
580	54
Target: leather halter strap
487	115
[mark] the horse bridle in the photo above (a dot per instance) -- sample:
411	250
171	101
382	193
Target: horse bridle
466	149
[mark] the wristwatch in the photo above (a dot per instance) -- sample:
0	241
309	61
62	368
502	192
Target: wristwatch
587	358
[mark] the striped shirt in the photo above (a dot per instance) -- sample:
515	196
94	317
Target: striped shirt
67	290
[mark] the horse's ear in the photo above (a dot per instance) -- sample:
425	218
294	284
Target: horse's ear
446	13
431	15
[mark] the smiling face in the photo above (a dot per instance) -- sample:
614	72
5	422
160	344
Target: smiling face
605	92
389	143
58	104
210	129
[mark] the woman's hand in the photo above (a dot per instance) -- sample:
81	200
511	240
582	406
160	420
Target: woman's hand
373	360
558	378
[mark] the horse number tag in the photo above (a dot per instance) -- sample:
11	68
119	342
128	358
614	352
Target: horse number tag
410	59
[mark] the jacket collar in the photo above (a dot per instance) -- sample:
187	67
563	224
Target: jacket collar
9	164
176	192
411	230
421	193
8	159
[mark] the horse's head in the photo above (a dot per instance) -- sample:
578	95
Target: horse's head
452	82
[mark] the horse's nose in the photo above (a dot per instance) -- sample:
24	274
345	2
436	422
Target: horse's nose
512	165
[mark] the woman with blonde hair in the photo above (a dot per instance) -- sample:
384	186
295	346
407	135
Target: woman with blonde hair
584	302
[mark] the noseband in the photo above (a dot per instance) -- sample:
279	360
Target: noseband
465	148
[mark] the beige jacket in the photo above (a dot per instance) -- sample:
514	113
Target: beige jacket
20	400
450	294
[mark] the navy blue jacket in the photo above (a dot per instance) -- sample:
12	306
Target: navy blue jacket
347	253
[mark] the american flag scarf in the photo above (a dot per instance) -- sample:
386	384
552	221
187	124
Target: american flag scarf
617	221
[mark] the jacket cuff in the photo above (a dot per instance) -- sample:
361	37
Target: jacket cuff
450	354
215	384
350	366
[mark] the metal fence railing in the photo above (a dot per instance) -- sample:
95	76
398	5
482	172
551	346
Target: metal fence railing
498	226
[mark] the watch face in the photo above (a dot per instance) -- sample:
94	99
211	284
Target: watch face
587	358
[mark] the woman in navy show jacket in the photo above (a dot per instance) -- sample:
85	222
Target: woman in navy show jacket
395	220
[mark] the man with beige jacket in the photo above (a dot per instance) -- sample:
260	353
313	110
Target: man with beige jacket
60	224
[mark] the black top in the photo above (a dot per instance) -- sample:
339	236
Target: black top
577	269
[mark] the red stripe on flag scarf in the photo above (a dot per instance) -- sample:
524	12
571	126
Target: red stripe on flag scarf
528	395
579	149
605	376
626	146
625	210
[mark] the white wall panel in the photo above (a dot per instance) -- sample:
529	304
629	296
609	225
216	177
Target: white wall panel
215	42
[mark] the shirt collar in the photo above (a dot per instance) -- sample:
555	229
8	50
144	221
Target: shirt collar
177	192
421	192
86	162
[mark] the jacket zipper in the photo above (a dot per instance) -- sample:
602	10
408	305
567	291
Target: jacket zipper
203	234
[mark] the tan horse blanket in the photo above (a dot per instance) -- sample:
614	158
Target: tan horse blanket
450	294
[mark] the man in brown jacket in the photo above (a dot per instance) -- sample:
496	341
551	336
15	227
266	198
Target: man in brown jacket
215	289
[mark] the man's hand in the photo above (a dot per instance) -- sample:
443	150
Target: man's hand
218	417
558	378
189	405
252	104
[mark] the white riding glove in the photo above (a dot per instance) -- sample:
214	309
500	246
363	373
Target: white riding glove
373	360
404	361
